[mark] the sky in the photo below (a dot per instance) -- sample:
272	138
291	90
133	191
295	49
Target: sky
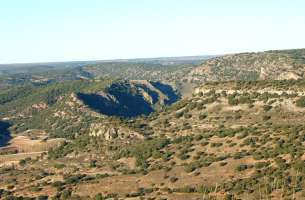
68	30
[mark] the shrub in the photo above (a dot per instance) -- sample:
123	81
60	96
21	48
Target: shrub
192	166
205	143
186	189
200	106
66	194
300	102
197	173
99	196
59	165
35	189
232	101
229	197
92	163
241	167
179	114
267	107
202	116
216	144
266	117
198	137
22	162
183	156
173	179
260	165
250	105
74	178
42	197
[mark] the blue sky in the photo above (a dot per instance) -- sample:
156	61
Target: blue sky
64	30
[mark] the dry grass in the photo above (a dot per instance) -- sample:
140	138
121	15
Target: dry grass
27	145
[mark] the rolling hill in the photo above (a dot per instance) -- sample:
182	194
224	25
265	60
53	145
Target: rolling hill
126	131
274	65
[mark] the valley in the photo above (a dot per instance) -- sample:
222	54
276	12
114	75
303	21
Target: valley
221	127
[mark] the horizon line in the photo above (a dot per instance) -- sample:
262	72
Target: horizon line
143	58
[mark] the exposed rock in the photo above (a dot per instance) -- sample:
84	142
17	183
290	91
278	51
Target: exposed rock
40	106
109	132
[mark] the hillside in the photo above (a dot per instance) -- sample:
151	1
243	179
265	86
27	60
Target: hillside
181	73
130	98
155	69
273	65
229	140
240	133
68	108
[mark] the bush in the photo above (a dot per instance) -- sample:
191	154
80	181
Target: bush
260	165
173	179
192	167
179	114
267	107
216	144
35	189
184	156
66	194
99	196
22	162
202	116
92	163
74	178
198	137
266	117
241	167
232	101
300	102
229	197
42	197
59	165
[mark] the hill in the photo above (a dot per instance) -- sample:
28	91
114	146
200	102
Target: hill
182	73
56	108
156	69
273	65
229	140
130	98
238	135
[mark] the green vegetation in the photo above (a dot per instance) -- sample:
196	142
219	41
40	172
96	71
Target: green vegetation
144	151
301	102
238	138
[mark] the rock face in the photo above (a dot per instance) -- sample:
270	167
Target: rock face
109	132
130	98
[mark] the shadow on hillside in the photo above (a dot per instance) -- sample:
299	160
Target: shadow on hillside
4	133
125	105
124	101
167	90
